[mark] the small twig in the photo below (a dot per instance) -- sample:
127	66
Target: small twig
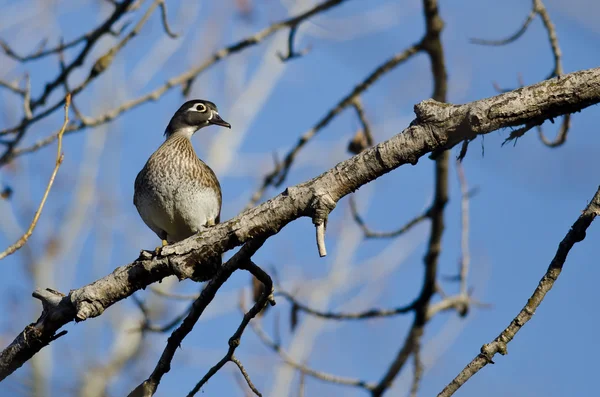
13	87
417	370
27	100
165	21
237	362
147	327
301	384
363	137
278	175
59	159
360	112
234	341
538	8
541	10
519	132
320	229
303	368
149	386
321	206
374	234
185	79
106	60
561	136
291	53
41	52
510	38
191	76
371	313
499	345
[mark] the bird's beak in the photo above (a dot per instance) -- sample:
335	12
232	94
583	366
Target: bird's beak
217	120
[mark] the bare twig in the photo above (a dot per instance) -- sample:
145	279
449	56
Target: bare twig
371	313
510	38
279	174
165	21
369	233
106	60
94	36
237	362
186	79
360	112
432	45
42	52
301	384
303	368
499	345
561	136
321	239
291	53
27	101
189	77
417	370
234	341
538	8
149	386
519	132
13	87
59	159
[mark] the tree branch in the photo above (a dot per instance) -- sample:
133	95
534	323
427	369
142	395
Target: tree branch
234	341
438	126
186	79
499	345
432	45
149	386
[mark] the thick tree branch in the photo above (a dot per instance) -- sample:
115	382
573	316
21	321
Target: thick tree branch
499	345
438	126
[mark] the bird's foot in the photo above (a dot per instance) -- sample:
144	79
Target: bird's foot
157	249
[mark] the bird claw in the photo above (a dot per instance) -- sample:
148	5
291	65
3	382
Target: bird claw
157	249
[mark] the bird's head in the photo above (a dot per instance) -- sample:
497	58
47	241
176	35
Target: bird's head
194	115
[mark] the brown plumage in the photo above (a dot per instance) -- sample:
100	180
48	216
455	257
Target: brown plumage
176	193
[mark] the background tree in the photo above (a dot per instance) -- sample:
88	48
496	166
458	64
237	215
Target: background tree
305	85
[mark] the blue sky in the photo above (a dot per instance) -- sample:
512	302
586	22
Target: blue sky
529	195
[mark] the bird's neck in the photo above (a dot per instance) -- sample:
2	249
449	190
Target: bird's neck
186	132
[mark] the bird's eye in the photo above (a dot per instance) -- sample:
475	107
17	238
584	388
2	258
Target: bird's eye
201	108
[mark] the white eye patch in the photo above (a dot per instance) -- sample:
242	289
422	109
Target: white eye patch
198	108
